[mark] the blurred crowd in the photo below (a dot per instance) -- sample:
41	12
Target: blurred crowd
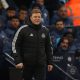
61	17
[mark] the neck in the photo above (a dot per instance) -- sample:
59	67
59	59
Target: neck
34	26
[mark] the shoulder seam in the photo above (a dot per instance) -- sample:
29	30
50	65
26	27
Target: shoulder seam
15	38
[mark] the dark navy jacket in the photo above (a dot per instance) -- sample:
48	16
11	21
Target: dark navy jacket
56	35
7	36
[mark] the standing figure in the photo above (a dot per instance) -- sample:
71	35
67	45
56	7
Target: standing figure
32	48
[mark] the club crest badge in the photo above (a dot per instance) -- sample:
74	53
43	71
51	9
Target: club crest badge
73	70
69	59
31	35
43	35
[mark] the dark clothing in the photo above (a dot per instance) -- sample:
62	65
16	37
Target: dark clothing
5	47
60	59
4	71
51	5
67	21
38	71
26	3
11	3
56	35
4	74
1	57
8	34
3	63
7	37
31	46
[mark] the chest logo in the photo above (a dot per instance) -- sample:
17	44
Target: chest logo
43	35
31	35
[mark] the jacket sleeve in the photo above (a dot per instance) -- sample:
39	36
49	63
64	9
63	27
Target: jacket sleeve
16	46
49	50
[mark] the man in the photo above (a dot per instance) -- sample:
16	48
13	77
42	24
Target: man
32	49
6	37
8	34
60	59
56	32
61	13
23	15
10	12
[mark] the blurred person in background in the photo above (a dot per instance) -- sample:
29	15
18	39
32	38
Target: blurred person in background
23	15
2	23
7	37
45	14
61	13
57	31
11	11
60	59
9	33
4	71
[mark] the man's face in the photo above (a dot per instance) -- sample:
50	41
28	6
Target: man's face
64	44
15	23
11	13
63	12
36	18
59	25
22	15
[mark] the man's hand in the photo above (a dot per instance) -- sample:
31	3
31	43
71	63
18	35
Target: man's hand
19	66
50	67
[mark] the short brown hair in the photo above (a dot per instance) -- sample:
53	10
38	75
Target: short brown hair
35	10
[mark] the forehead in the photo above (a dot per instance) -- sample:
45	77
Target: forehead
15	19
36	14
63	9
59	22
9	11
23	10
65	40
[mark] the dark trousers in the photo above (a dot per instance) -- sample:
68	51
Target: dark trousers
38	72
4	74
56	74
